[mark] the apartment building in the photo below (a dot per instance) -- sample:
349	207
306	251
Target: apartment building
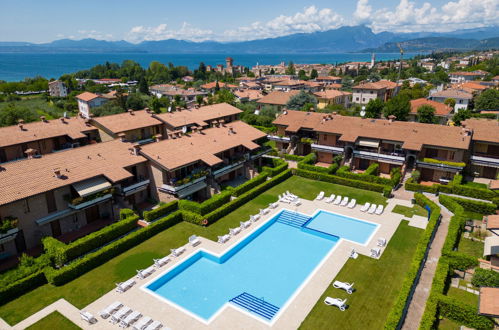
461	97
443	112
44	137
57	89
328	80
68	194
170	91
462	76
485	147
87	101
277	98
193	166
332	97
366	91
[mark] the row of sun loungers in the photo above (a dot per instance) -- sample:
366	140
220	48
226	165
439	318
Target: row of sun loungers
337	200
289	198
144	273
372	208
117	313
124	286
245	224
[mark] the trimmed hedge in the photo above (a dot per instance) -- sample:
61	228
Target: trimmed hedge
395	176
443	162
372	169
308	164
413	186
250	184
208	205
90	261
451	188
344	172
160	211
479	193
485	277
22	286
295	158
279	166
402	300
463	313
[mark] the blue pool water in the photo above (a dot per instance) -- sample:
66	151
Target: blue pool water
270	264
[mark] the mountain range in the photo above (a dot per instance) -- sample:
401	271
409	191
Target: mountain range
344	39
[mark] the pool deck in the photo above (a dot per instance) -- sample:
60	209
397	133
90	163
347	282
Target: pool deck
291	315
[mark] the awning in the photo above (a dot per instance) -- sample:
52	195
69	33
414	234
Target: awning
54	216
491	246
92	186
191	189
368	143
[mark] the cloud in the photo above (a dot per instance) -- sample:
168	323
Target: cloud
162	32
82	34
362	12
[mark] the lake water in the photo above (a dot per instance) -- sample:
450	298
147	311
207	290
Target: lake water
18	66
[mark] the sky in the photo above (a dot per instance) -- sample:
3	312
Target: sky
224	20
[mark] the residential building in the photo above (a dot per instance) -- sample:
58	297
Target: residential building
87	101
473	87
443	112
68	194
193	166
489	296
288	85
366	91
248	95
462	76
44	137
277	98
170	91
328	80
57	89
210	87
462	98
331	97
485	147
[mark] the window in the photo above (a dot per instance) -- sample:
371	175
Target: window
356	99
50	199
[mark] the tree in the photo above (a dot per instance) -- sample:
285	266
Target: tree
135	102
217	87
155	104
296	102
199	99
399	106
108	108
302	75
461	116
450	102
488	100
224	96
313	74
374	108
426	114
373	77
10	115
290	70
143	86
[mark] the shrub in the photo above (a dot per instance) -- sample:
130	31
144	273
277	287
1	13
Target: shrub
372	169
125	213
279	166
458	179
411	185
443	162
479	193
160	211
250	184
463	313
15	289
485	277
395	176
476	206
208	205
416	175
344	172
295	158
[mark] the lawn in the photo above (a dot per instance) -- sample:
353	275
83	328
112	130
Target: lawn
38	106
446	324
469	215
476	185
471	247
92	285
463	296
54	320
409	212
377	283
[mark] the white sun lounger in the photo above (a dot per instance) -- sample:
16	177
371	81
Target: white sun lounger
372	209
344	285
354	254
320	196
178	251
341	304
379	209
88	317
352	203
330	199
381	242
106	312
154	326
142	323
365	207
297	202
124	286
234	231
161	262
290	194
375	253
254	218
194	240
120	314
224	238
245	224
143	273
337	201
264	211
273	205
344	202
131	318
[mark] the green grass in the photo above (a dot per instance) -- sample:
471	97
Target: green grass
54	320
92	285
472	248
476	185
377	283
469	215
410	211
38	106
463	296
446	324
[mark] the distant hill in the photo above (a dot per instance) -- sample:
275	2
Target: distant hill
341	40
437	44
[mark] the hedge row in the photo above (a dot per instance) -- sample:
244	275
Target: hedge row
344	172
463	313
279	166
295	158
95	259
208	205
250	184
307	163
160	211
437	289
18	288
451	188
402	300
476	206
485	277
373	169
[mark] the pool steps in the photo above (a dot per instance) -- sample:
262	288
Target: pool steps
292	219
255	305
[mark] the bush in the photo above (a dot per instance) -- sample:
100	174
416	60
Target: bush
160	211
18	288
208	205
279	166
295	158
443	162
479	193
463	313
485	277
416	175
458	179
125	213
250	184
395	176
476	206
372	169
412	186
344	172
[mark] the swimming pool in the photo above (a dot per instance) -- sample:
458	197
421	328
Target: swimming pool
260	274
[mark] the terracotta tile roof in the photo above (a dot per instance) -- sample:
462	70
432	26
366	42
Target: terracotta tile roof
331	94
30	177
493	221
494	184
473	85
188	149
387	84
213	84
199	116
296	120
289	82
486	130
127	121
277	97
250	94
440	108
489	301
382	84
72	127
334	86
87	96
466	73
453	94
328	78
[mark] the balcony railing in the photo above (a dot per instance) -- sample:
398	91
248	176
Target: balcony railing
279	138
440	164
393	158
170	188
90	202
135	187
325	148
228	168
260	153
485	160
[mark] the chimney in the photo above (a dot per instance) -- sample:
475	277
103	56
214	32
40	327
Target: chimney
42	118
231	130
30	153
57	172
136	149
391	118
130	111
63	120
122	137
178	108
21	126
158	137
148	110
196	106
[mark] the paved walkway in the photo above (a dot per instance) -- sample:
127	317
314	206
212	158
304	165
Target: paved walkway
418	301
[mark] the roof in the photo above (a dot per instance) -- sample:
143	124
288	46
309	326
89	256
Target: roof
441	109
331	94
468	73
278	97
29	177
493	221
250	94
73	127
289	82
200	116
327	78
486	130
296	120
489	301
87	96
382	84
453	94
127	121
494	184
213	84
203	146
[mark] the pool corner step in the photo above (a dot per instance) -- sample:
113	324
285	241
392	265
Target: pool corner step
255	305
292	219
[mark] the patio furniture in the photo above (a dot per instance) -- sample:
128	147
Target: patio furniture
320	196
330	199
234	231
161	262
337	201
264	211
273	205
341	304
354	254
254	218
344	202
106	312
194	240
142	323
154	325
124	286
352	203
365	207
344	285
297	202
177	252
120	314
379	209
224	238
381	242
375	253
143	273
372	209
245	224
131	318
88	317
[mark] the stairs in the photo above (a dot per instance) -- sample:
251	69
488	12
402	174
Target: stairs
292	219
255	305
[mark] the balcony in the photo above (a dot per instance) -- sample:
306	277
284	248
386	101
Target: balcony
325	148
439	164
8	229
128	190
260	153
392	158
80	203
485	160
228	168
174	189
279	138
